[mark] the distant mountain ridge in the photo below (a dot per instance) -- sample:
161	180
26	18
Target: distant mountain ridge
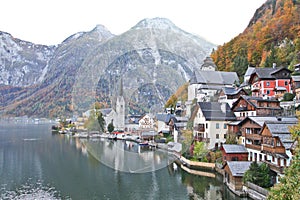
150	61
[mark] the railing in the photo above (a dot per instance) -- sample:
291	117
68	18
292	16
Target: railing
252	146
257	188
274	167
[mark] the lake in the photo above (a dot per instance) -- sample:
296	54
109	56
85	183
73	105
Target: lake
36	164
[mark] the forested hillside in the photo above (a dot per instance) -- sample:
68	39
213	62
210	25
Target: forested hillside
272	36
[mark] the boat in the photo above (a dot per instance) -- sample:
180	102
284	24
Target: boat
145	143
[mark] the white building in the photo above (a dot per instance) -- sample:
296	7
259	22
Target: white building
210	123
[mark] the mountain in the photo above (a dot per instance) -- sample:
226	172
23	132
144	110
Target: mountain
272	36
21	62
146	64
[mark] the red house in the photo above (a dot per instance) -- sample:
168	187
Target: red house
270	82
234	152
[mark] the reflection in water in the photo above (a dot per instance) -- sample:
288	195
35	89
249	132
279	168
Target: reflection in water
127	156
36	164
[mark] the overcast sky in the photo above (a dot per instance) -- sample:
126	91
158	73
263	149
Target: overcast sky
51	21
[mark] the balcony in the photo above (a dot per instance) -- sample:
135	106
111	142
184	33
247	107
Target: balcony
201	139
255	88
274	167
199	128
253	146
253	137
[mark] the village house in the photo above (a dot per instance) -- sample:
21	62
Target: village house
270	82
206	83
277	145
296	86
233	152
230	95
255	106
132	123
162	122
247	76
210	123
146	122
234	172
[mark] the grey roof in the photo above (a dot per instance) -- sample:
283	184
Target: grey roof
296	78
214	77
106	111
279	127
250	70
164	117
281	130
208	61
234	148
254	100
214	111
238	168
231	90
268	72
261	120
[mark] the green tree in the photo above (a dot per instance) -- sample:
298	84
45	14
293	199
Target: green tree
288	97
100	120
258	174
110	127
199	150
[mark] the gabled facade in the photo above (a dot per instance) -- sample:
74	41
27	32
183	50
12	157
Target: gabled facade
146	122
233	152
210	123
270	82
276	145
255	106
296	86
234	172
230	95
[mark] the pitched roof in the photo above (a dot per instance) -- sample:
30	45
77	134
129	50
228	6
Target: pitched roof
238	168
250	70
216	111
281	130
164	117
214	77
261	120
231	90
268	72
208	61
296	78
254	100
106	111
234	148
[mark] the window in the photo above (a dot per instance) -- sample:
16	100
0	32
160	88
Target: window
217	125
225	126
268	91
206	125
225	136
285	83
268	83
217	136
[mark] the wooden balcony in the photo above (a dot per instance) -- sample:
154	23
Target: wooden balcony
274	167
253	136
271	149
255	147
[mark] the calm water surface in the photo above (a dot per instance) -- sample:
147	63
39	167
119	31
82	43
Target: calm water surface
36	164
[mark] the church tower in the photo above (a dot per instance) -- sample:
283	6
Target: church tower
120	109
